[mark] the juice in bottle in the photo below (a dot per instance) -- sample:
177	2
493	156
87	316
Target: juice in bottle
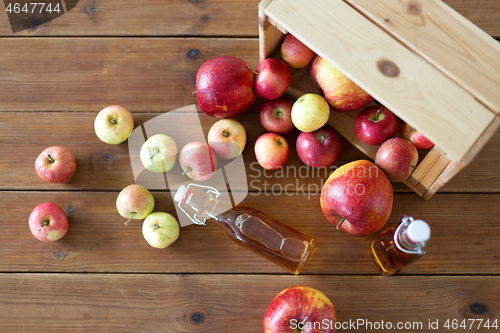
400	245
248	227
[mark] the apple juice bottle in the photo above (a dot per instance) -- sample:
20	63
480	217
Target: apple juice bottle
400	245
248	227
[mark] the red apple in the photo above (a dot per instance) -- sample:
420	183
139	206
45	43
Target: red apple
276	115
55	165
295	53
341	93
300	309
48	222
320	148
273	79
224	87
198	161
357	198
375	124
134	202
227	138
417	138
271	151
397	157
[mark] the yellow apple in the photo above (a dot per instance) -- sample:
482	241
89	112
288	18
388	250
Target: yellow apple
160	229
310	112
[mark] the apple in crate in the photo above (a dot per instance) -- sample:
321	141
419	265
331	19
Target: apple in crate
198	161
224	87
159	153
340	92
271	151
48	222
415	137
397	157
295	53
273	79
55	165
135	202
357	198
276	115
320	148
227	138
310	112
297	309
113	124
375	124
160	229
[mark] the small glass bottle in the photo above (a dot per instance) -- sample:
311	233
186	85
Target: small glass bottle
246	226
400	245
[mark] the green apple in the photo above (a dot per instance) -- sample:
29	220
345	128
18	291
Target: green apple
135	202
310	112
160	229
113	124
159	153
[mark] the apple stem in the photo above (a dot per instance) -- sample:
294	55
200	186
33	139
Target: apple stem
154	152
343	220
226	134
129	219
186	171
113	121
45	223
378	112
156	226
194	93
250	68
51	160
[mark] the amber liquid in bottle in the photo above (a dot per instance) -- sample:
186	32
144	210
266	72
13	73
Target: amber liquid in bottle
266	236
249	228
388	258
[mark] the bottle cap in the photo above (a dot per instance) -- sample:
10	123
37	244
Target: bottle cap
180	193
418	232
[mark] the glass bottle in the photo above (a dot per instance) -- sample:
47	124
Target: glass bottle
248	227
400	245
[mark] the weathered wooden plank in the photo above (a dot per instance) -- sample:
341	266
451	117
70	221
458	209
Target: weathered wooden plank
87	74
465	237
222	303
194	18
107	167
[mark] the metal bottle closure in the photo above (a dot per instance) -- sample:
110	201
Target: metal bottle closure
403	243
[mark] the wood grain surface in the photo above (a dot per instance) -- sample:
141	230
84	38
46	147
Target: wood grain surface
108	167
193	18
465	237
104	277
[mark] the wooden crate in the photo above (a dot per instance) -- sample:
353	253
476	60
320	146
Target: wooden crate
425	62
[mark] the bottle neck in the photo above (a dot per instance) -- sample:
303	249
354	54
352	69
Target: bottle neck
200	205
404	243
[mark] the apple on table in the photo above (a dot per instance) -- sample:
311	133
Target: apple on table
224	87
340	92
375	124
48	222
135	202
55	165
227	138
320	148
416	137
276	115
273	78
357	198
113	124
271	151
198	161
159	153
300	309
295	53
160	229
397	157
310	112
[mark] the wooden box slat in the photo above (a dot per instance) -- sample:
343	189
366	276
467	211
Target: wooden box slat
445	39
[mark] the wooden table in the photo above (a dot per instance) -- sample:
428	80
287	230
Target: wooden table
104	277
